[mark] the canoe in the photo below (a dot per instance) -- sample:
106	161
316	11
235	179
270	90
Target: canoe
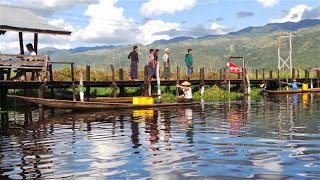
294	91
77	105
112	100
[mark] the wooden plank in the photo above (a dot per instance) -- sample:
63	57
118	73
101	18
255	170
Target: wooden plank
22	67
13	56
22	63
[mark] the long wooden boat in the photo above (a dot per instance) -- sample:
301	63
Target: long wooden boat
294	91
112	100
67	104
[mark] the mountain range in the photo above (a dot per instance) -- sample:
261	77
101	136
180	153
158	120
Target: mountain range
254	42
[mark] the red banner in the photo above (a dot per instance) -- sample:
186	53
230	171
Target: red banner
234	68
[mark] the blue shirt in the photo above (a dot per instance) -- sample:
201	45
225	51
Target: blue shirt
295	85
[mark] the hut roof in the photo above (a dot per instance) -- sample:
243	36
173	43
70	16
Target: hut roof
20	19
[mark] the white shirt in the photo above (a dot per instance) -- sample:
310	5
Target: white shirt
187	93
165	57
33	53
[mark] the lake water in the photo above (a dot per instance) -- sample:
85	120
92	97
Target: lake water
275	137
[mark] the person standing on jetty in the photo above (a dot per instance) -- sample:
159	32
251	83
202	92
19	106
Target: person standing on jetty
151	64
166	67
155	61
134	63
189	63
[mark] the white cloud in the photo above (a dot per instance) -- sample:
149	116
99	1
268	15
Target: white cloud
268	3
295	14
157	7
107	24
53	5
149	30
219	29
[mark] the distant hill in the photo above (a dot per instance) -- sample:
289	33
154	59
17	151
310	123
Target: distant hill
273	27
173	40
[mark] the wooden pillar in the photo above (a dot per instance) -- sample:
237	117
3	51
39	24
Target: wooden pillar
225	79
270	75
35	44
41	90
178	81
87	79
121	79
114	84
74	98
293	74
279	82
306	76
51	79
146	77
21	43
318	76
298	74
256	73
263	79
239	76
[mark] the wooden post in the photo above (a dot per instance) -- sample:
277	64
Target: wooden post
114	84
257	74
306	76
121	79
35	44
220	74
51	79
88	79
293	75
239	76
41	90
178	81
202	81
146	77
298	75
21	43
318	73
279	82
263	79
74	98
225	79
270	75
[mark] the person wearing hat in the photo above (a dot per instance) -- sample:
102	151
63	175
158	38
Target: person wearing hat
187	92
295	85
166	64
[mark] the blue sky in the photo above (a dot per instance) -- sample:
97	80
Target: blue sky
105	22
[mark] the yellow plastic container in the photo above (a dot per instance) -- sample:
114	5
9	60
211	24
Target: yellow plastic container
135	100
304	87
141	100
149	100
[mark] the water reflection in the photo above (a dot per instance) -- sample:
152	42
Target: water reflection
274	137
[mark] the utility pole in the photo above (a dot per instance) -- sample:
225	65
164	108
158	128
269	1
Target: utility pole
282	64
